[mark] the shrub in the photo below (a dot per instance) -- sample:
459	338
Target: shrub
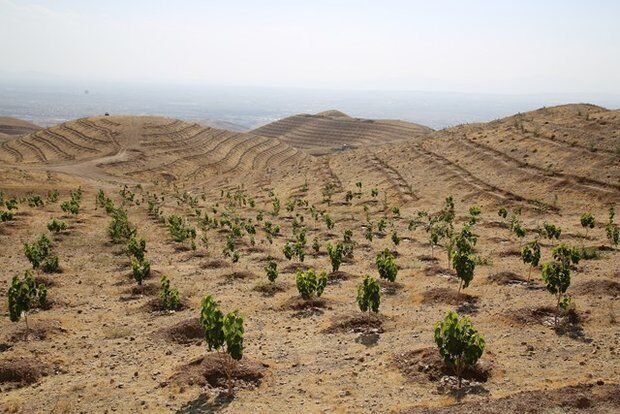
348	197
169	296
271	269
566	254
464	263
316	246
34	200
474	214
11	204
70	207
120	230
336	253
222	330
374	192
502	212
310	284
56	226
556	276
25	294
386	266
52	196
348	236
329	222
136	248
530	254
50	264
276	206
38	251
459	343
179	231
395	238
6	216
551	231
368	233
381	225
369	295
587	222
140	269
611	229
516	227
288	251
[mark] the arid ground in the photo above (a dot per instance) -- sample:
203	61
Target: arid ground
103	344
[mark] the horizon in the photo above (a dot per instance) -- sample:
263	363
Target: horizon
481	48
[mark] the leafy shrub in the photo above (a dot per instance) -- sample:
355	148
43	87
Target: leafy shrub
374	192
611	229
222	330
551	231
6	216
25	294
556	276
502	212
38	251
395	238
459	343
169	296
11	204
316	246
310	284
120	230
474	213
530	254
348	236
140	269
329	222
587	221
386	266
70	207
34	200
52	196
50	264
271	269
348	197
336	253
56	226
368	233
516	227
369	295
566	254
179	231
136	248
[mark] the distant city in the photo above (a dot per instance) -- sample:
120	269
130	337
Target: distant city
243	108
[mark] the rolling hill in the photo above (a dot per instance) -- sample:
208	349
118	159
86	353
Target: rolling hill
15	126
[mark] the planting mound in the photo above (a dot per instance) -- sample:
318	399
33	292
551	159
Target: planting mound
358	323
23	371
209	370
188	331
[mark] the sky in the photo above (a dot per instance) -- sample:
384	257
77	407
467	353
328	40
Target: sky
474	46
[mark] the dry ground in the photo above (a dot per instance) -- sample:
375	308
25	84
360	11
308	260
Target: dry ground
101	347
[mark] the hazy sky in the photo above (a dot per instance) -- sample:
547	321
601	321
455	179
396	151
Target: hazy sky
469	46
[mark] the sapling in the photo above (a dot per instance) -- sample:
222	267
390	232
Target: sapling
25	294
348	197
329	222
38	251
386	266
464	263
271	269
120	230
6	216
56	226
50	264
474	214
611	229
140	269
395	238
374	192
309	284
348	236
381	225
551	231
556	276
336	254
169	296
223	330
369	295
136	248
368	233
459	343
530	254
288	251
566	254
502	212
587	222
316	246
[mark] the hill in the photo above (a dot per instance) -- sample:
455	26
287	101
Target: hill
333	131
14	126
217	208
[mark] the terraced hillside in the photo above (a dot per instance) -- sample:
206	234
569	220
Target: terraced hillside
146	148
15	126
332	131
214	210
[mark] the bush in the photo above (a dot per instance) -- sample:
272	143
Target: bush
70	207
566	254
310	284
551	231
179	231
25	294
169	296
38	251
140	269
120	230
56	226
556	276
336	253
222	330
6	216
50	264
386	266
587	222
395	238
271	269
530	254
459	343
136	248
369	295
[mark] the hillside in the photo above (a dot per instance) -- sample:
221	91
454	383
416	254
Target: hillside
14	126
104	341
333	131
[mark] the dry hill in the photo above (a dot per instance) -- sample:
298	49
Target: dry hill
14	126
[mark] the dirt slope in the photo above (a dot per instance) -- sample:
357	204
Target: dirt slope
333	131
15	126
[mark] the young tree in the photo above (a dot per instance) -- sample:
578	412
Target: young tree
169	296
316	246
459	343
556	276
120	230
271	269
374	193
38	251
551	231
368	233
336	254
140	269
136	248
530	254
386	266
223	330
612	229
25	294
395	238
587	222
502	212
369	295
309	284
56	226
